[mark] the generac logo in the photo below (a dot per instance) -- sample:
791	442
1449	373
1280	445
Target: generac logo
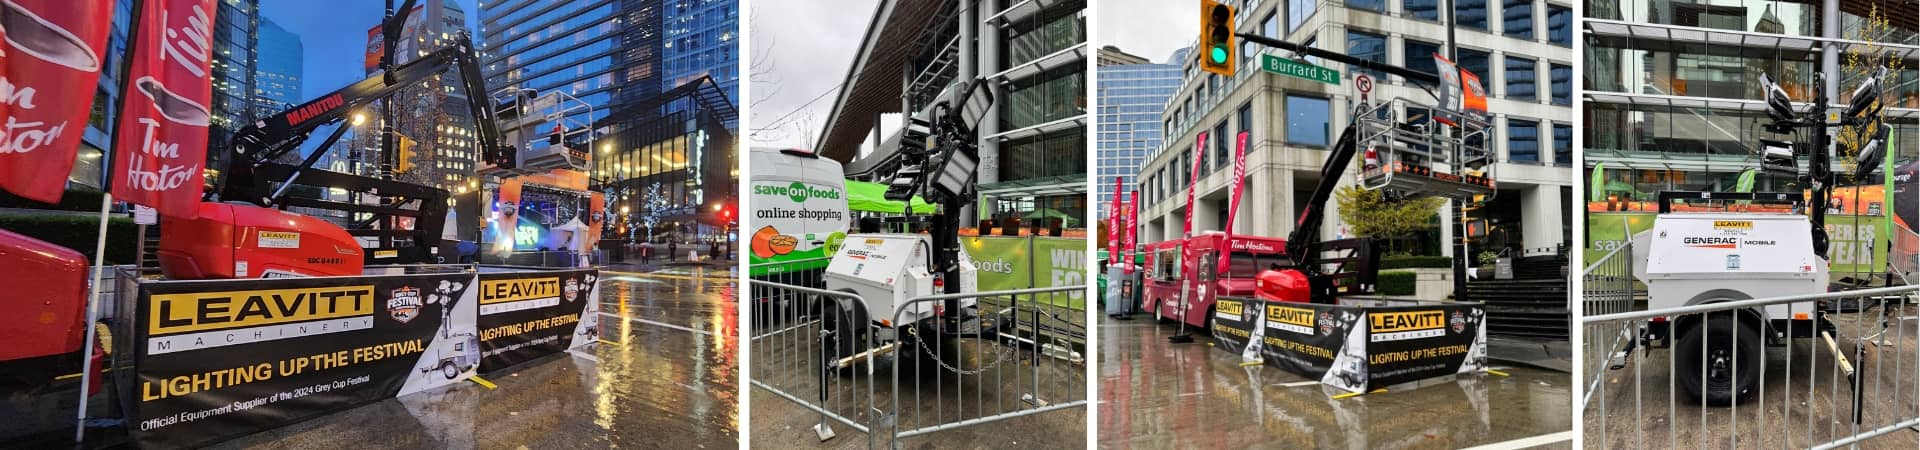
202	311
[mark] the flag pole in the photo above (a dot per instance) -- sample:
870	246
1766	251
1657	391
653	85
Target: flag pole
100	244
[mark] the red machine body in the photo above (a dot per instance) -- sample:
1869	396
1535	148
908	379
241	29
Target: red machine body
1284	285
1167	265
245	241
44	311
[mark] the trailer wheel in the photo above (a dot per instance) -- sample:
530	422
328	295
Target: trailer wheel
447	369
1160	312
1722	361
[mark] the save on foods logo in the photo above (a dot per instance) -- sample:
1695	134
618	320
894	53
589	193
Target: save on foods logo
798	192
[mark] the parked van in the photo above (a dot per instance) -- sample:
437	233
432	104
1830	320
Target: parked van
799	215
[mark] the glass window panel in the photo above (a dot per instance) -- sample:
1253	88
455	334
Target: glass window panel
1308	121
1521	78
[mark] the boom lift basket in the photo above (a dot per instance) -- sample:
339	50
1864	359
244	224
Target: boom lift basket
1422	159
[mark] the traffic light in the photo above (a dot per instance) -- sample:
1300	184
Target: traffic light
1216	38
500	156
404	162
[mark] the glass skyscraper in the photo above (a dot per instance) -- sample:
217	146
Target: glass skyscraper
1132	93
277	76
700	39
601	52
235	43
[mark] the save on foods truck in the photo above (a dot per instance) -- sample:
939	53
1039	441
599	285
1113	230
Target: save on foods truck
799	215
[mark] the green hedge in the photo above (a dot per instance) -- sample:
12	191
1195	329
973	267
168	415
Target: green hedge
75	199
1415	262
1397	283
79	233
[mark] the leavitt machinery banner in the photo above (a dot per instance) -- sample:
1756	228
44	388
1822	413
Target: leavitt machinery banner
1302	337
527	315
1417	342
1356	346
218	359
1233	322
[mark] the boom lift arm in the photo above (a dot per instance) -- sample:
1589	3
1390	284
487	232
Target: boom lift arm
251	170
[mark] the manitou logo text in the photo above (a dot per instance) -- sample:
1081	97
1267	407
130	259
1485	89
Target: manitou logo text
314	109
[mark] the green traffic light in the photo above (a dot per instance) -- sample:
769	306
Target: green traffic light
1219	55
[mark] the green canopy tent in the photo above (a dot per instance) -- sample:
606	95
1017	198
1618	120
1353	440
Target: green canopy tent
872	197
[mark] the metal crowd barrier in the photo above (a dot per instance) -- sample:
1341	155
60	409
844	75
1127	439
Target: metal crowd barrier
1029	363
1608	288
811	347
796	331
1835	389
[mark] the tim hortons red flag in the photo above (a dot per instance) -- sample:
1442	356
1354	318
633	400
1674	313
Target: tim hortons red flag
162	136
1113	223
1239	182
1187	258
49	67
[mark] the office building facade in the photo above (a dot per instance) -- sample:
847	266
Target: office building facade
1674	100
1521	49
699	39
1132	93
88	167
1033	55
277	76
444	152
605	53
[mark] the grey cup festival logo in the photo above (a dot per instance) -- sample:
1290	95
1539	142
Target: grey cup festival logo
404	304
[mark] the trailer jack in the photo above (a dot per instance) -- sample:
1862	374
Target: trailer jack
1853	376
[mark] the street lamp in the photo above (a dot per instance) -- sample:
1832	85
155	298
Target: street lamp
359	118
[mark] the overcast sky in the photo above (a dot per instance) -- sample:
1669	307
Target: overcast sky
800	50
1152	29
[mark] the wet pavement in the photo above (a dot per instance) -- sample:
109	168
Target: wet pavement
982	379
1815	408
668	380
1159	395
